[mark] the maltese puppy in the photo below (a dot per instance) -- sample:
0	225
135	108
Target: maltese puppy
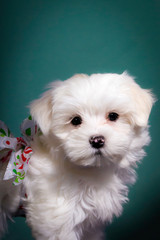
94	129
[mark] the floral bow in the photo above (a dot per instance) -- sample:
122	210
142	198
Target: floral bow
16	151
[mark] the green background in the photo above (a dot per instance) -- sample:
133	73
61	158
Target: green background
45	40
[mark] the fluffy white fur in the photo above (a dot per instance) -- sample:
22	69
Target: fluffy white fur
74	189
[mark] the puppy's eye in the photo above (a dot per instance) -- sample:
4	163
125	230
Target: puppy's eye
77	120
113	116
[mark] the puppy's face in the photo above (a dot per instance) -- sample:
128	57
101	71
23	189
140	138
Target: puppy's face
94	117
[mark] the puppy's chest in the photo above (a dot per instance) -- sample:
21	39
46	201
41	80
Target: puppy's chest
93	201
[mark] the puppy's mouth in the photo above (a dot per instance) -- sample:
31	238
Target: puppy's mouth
98	153
99	158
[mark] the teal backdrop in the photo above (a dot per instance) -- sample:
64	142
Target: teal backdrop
45	40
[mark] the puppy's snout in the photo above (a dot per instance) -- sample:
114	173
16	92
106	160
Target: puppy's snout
97	141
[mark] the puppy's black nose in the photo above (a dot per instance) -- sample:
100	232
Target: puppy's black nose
97	141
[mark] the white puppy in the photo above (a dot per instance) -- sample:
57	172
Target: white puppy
94	129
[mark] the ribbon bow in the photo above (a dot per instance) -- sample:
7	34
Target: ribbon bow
16	151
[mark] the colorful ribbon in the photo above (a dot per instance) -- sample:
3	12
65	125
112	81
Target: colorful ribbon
17	150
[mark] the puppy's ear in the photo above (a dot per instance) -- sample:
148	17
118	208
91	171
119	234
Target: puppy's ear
41	111
143	104
143	100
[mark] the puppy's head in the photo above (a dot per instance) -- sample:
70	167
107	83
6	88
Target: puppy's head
98	119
